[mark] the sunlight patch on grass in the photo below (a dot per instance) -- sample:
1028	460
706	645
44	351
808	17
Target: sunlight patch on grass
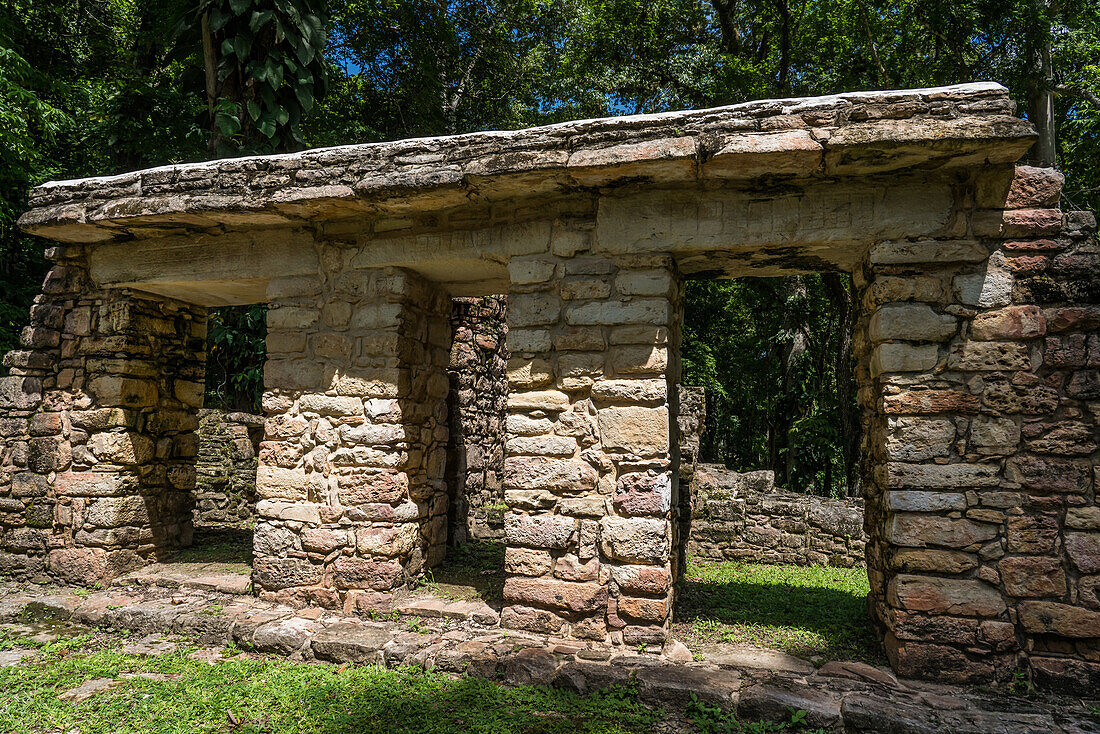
806	611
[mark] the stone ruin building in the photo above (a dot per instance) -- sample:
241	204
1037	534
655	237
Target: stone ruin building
977	350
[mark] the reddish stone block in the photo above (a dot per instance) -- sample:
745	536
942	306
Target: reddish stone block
1016	223
570	568
1065	351
916	402
578	598
642	579
363	573
643	494
1028	264
1046	617
517	616
1072	318
1033	576
649	610
1084	551
1011	322
1048	474
379	487
1026	186
935	595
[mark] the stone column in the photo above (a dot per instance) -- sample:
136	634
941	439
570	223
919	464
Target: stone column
352	498
590	472
977	364
98	421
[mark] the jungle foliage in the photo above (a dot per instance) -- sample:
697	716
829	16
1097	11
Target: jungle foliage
103	86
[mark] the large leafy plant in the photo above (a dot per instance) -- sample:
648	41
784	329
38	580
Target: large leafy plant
264	70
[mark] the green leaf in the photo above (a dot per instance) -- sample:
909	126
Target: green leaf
259	19
253	110
304	52
227	48
242	43
304	93
266	126
239	6
281	115
218	19
227	124
274	74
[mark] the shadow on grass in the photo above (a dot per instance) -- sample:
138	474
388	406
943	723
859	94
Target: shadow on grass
213	544
473	569
804	611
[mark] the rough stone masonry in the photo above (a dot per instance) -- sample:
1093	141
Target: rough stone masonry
978	361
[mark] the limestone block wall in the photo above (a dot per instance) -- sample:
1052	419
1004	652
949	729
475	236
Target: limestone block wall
352	497
225	484
590	470
978	357
97	429
477	409
741	516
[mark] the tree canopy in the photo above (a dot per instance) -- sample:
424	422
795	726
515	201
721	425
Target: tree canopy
103	86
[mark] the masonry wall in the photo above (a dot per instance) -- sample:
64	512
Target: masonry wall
351	481
97	429
740	516
977	361
225	484
477	407
590	469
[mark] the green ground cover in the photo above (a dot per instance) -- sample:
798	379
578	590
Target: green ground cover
811	612
247	694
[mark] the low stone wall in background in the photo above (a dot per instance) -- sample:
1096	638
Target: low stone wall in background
225	486
741	516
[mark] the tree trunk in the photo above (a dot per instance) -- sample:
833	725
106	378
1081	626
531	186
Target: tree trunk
794	294
1045	152
842	300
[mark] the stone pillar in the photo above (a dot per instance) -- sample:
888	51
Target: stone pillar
590	472
476	405
98	419
352	498
977	356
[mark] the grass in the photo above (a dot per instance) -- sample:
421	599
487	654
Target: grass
805	611
217	545
472	570
250	695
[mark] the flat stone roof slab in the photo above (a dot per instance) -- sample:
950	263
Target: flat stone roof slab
856	134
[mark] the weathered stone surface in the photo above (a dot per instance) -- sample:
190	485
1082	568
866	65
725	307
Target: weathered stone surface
1084	551
643	431
1046	617
919	530
963	597
539	531
634	540
578	598
910	322
1033	576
